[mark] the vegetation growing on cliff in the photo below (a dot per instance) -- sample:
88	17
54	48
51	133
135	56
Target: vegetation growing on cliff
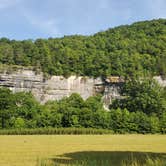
135	50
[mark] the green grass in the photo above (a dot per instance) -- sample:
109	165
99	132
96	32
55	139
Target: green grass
53	150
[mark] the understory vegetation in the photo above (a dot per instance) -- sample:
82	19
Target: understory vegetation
142	109
131	51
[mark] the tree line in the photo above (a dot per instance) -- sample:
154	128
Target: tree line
142	109
129	51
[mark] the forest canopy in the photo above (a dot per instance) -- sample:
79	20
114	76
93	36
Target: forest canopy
131	50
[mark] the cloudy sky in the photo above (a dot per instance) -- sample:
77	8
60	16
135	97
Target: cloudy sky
31	19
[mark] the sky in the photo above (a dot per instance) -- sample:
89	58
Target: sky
31	19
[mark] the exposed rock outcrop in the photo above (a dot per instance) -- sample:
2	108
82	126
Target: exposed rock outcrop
160	80
54	88
57	87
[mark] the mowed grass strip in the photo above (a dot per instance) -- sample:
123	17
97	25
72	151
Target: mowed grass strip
28	149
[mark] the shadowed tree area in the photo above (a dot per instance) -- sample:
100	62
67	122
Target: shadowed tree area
114	158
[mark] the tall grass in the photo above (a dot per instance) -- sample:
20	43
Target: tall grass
55	131
148	162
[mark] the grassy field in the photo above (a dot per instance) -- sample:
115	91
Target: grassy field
63	149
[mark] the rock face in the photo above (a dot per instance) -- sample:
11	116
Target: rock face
112	88
57	87
160	80
53	88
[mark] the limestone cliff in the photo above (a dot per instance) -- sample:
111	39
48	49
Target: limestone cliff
57	87
53	88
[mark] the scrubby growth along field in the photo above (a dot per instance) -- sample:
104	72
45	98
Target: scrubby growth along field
141	110
55	131
135	50
65	149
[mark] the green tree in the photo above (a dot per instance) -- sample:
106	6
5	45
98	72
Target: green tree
163	123
6	53
19	123
6	105
142	95
85	118
27	107
94	103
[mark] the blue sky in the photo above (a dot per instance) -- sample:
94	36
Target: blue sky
31	19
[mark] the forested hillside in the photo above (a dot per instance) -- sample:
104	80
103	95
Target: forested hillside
135	50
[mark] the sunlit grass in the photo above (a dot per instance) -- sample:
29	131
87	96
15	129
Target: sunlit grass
66	149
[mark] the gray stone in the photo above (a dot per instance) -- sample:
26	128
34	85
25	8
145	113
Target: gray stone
54	88
57	87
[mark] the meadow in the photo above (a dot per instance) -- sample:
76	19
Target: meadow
30	150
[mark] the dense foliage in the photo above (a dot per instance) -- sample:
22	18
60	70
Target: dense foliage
135	50
141	110
142	95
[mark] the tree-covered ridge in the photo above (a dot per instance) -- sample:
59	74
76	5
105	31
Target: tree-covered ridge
135	50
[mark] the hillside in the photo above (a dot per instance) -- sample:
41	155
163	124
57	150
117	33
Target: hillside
131	50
